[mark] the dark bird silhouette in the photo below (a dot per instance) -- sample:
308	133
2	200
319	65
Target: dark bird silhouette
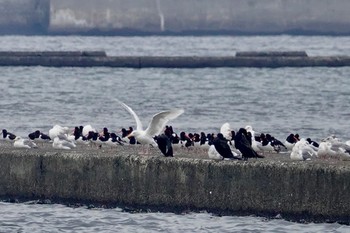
44	137
7	135
114	138
292	138
186	139
39	136
105	135
164	143
244	146
175	139
277	144
34	135
221	146
203	138
313	143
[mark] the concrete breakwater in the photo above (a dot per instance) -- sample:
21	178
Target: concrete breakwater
299	190
199	17
99	58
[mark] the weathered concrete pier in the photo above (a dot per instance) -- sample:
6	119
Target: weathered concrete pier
272	59
296	190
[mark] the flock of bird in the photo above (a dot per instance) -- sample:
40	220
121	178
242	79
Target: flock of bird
227	144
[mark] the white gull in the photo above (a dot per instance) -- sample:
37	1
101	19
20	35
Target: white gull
61	143
155	127
23	143
302	150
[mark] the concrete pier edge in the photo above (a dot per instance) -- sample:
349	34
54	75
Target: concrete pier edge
293	190
272	59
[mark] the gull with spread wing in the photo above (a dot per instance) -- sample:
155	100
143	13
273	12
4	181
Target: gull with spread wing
155	127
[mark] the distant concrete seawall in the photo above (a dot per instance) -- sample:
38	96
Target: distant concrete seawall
273	59
24	16
205	16
292	189
119	17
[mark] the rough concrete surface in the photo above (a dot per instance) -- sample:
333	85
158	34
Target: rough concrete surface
316	190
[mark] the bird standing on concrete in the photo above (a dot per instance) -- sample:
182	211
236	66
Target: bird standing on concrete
155	127
24	143
7	135
62	143
221	145
243	145
165	145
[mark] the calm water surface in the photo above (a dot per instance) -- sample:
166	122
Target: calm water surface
58	218
315	102
179	45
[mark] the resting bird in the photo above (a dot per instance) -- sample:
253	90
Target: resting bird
7	135
290	141
228	134
222	147
38	136
302	150
334	148
243	145
165	145
62	143
155	127
252	138
313	143
23	143
114	141
59	131
214	154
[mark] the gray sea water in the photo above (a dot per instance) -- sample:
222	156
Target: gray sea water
314	102
58	218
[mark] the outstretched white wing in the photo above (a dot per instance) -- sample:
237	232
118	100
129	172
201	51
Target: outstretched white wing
137	119
159	121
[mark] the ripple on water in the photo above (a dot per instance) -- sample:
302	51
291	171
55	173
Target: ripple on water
21	217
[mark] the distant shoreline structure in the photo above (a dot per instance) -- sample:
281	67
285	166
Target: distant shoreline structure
183	18
257	59
131	33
